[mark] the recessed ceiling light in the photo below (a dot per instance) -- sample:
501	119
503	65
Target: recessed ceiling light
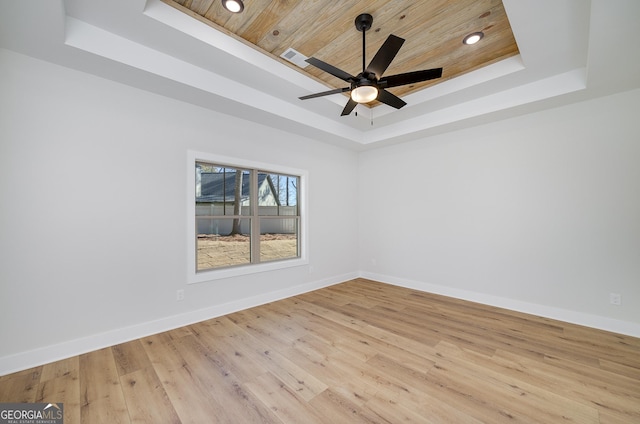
235	6
473	38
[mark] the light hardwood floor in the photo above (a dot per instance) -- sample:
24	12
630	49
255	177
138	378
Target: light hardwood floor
357	352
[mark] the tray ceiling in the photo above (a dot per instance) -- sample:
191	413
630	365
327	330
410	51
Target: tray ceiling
325	29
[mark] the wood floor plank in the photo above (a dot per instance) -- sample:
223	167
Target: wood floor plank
320	359
390	411
222	384
508	393
130	357
60	383
335	408
340	296
393	321
282	400
227	350
620	369
303	383
356	352
20	387
60	369
65	390
147	401
424	351
329	313
188	395
274	330
101	396
590	386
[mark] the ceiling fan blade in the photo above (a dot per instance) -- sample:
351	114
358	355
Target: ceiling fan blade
348	108
410	77
390	99
385	55
325	93
330	69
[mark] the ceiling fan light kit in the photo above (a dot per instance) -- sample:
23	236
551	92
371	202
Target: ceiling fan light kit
370	85
364	94
234	6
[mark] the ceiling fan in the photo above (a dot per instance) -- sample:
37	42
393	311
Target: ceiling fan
369	85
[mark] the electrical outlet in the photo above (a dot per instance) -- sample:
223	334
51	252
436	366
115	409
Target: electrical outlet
311	269
615	299
179	295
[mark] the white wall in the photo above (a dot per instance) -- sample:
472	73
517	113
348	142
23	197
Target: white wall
75	150
539	213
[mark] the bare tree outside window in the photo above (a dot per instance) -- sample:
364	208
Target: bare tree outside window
237	204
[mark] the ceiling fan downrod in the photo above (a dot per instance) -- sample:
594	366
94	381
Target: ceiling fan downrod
363	24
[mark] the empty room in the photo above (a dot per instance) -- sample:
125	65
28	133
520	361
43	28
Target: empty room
270	211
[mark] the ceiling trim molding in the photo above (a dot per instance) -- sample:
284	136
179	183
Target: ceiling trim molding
153	46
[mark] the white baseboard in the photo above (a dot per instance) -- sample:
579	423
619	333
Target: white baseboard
47	354
573	317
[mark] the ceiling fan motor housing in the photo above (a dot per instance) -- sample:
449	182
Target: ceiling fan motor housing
363	80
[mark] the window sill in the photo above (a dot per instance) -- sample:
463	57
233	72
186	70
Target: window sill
219	274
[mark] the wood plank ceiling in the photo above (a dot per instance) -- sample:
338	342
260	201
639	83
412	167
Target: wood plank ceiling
433	29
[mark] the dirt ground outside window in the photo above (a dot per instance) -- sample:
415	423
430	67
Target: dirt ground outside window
216	251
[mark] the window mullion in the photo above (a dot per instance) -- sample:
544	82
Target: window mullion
255	220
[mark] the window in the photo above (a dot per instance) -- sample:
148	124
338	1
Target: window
244	217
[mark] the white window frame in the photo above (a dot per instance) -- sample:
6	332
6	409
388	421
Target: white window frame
231	162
